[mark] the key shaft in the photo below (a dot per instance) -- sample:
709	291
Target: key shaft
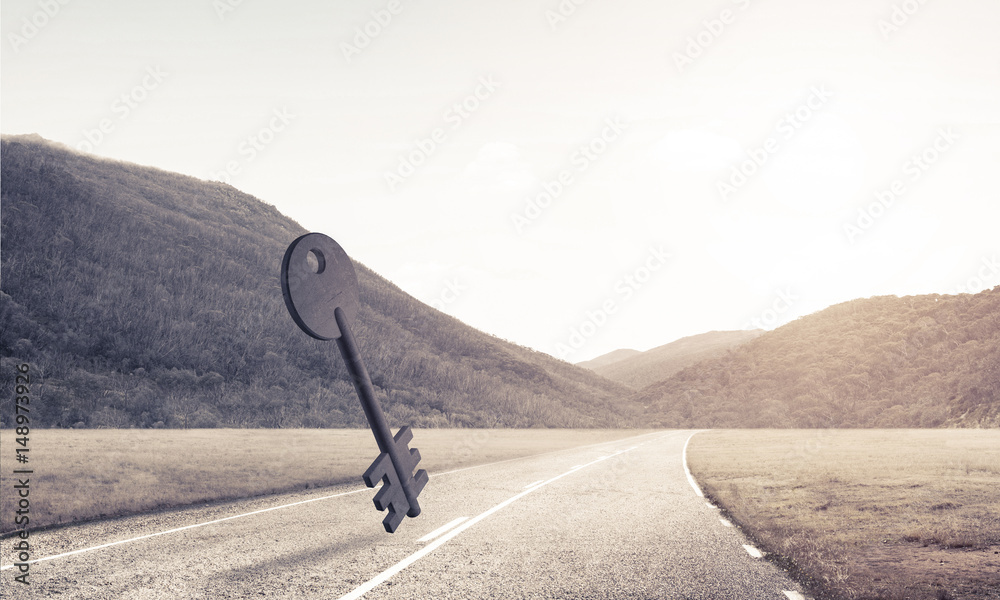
373	410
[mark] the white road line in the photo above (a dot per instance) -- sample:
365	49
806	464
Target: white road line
257	512
726	523
143	537
710	505
684	459
440	530
753	551
793	595
384	576
499	462
533	484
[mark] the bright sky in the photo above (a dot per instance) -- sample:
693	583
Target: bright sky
575	176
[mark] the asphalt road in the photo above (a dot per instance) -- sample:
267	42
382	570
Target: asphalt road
614	520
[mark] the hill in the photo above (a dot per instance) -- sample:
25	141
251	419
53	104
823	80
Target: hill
646	368
143	298
917	361
608	359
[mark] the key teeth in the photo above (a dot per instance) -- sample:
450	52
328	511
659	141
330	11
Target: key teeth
419	481
375	471
389	495
404	435
392	520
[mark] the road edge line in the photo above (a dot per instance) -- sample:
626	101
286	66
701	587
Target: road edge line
687	470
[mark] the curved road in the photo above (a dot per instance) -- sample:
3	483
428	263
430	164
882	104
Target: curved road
614	520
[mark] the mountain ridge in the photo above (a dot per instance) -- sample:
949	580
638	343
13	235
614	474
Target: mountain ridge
608	359
885	361
657	364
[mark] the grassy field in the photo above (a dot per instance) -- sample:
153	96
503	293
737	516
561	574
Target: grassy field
86	474
865	514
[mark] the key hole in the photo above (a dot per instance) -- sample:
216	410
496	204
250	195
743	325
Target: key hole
316	261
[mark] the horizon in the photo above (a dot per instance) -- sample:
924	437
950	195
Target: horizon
698	169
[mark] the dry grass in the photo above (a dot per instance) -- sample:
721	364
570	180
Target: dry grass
86	474
865	514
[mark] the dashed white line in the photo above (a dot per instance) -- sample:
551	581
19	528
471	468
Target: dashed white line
726	523
793	595
441	530
753	551
687	471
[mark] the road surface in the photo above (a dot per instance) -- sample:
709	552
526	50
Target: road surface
615	520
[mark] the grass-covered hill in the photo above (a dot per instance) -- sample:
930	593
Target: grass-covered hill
143	298
642	369
917	361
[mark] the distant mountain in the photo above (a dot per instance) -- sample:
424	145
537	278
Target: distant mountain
917	361
641	369
143	298
607	359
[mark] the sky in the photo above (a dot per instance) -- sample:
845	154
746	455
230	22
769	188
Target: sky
575	176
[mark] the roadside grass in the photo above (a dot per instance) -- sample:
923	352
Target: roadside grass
864	514
87	474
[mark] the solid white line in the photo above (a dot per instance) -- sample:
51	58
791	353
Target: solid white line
684	459
409	560
726	523
256	512
753	551
430	536
793	595
142	537
533	484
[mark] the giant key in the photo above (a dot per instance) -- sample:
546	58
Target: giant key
321	293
